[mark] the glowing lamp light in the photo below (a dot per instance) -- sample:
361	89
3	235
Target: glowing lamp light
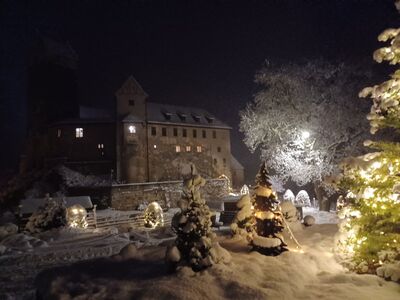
305	134
132	129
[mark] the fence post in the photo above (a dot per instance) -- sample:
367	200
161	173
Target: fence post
95	215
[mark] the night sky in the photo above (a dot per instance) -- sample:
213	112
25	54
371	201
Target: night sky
196	53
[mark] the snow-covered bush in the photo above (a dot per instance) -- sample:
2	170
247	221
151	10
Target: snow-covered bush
8	229
153	215
288	196
289	211
242	222
309	220
302	199
195	244
52	215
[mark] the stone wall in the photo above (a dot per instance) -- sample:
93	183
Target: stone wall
167	193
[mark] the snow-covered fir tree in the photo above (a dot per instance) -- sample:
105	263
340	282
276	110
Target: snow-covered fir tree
371	220
302	199
196	243
266	234
288	196
243	220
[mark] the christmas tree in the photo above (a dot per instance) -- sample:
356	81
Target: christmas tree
371	224
196	243
266	236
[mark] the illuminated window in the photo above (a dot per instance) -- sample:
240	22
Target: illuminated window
184	133
204	134
100	146
194	133
164	131
188	148
155	146
214	134
219	149
175	131
198	148
132	129
177	148
58	133
79	133
153	131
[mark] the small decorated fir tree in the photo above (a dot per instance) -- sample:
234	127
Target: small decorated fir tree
195	243
266	236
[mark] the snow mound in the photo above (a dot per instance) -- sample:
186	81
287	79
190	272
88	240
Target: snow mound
390	271
8	229
289	211
22	243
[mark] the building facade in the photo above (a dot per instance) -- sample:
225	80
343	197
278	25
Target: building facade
141	141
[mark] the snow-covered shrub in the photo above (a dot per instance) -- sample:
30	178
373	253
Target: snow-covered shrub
302	199
52	215
153	215
242	222
309	220
21	242
288	196
289	211
8	229
195	244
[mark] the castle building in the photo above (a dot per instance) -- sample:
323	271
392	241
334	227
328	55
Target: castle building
141	141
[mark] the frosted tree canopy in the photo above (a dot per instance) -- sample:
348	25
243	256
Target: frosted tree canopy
305	118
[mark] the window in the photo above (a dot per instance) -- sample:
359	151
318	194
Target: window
153	131
188	148
131	102
204	134
175	131
182	116
132	129
214	134
194	133
100	146
198	148
219	149
196	117
224	161
58	133
215	161
79	133
210	119
184	133
155	146
164	131
167	115
177	148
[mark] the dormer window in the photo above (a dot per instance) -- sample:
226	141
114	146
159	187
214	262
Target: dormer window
167	115
132	129
131	102
196	117
182	116
210	119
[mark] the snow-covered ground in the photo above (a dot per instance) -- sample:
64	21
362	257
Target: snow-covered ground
141	274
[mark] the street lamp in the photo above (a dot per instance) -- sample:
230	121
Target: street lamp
305	134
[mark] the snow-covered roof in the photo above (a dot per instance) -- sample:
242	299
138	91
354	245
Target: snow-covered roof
29	206
182	115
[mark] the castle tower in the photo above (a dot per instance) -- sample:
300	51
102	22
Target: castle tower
132	148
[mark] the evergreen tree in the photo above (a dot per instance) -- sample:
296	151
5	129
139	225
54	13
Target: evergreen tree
266	236
372	218
195	243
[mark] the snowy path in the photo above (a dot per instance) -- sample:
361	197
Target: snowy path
313	274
